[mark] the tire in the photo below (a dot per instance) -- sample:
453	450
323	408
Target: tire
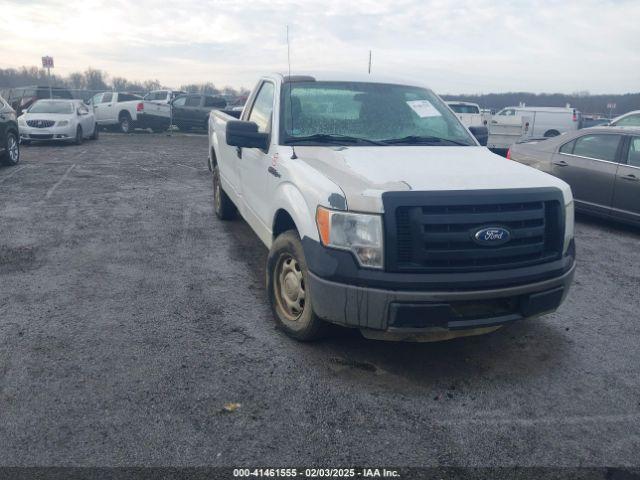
222	204
551	133
124	123
96	132
11	155
79	136
288	290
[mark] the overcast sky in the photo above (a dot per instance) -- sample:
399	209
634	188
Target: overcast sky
461	46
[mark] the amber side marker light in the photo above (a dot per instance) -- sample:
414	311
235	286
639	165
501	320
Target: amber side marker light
323	220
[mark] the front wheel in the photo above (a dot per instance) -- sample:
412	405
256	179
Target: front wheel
11	155
288	290
79	136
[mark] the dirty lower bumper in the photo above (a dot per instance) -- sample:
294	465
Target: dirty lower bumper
415	311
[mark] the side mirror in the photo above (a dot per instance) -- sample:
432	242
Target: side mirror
245	135
481	134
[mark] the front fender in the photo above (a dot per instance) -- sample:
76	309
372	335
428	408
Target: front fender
291	200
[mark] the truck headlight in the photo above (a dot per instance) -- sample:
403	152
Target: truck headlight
569	222
63	123
359	233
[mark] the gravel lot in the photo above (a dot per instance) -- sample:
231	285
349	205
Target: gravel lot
129	316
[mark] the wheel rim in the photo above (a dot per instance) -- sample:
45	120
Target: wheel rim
13	148
124	124
290	287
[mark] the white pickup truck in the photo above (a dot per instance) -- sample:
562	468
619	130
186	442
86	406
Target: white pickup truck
128	111
382	212
469	113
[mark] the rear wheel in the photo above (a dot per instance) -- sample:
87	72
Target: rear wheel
124	122
224	207
551	133
11	155
288	290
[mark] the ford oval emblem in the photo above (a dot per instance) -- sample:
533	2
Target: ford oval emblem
492	236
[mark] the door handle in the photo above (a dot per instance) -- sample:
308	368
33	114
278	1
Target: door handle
631	177
561	163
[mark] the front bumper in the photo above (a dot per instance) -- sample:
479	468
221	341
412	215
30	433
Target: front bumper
417	311
48	134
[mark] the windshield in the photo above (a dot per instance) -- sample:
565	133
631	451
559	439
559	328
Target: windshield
43	106
460	108
367	112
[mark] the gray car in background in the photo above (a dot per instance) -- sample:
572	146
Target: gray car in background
601	164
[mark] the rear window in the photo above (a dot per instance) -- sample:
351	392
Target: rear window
215	102
458	108
127	97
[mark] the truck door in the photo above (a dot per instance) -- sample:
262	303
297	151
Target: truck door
589	164
256	178
105	109
626	196
191	111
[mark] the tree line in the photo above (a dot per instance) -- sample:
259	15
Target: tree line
98	80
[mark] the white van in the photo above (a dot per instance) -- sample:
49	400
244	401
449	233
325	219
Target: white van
543	121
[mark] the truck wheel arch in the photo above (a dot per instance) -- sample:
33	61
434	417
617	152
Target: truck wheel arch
282	222
291	211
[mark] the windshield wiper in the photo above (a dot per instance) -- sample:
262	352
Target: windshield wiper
417	139
331	138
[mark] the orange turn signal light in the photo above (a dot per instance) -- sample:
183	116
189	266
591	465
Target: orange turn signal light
323	220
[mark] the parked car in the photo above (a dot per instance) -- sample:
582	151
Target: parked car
21	98
9	136
543	121
192	111
602	165
469	113
589	121
629	119
163	96
381	211
58	120
128	111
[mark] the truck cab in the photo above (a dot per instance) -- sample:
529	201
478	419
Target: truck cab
382	212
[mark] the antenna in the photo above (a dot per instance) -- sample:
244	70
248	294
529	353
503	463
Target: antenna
369	62
293	150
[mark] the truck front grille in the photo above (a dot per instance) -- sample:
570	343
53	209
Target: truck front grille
434	231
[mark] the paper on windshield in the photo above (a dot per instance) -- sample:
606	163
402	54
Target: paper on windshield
423	108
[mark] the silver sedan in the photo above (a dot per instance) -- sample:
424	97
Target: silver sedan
57	120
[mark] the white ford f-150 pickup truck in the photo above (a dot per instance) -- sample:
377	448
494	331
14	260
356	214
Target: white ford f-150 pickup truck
128	111
382	212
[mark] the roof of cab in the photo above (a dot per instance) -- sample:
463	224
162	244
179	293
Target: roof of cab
344	77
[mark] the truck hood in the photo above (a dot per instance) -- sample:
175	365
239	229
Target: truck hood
365	173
